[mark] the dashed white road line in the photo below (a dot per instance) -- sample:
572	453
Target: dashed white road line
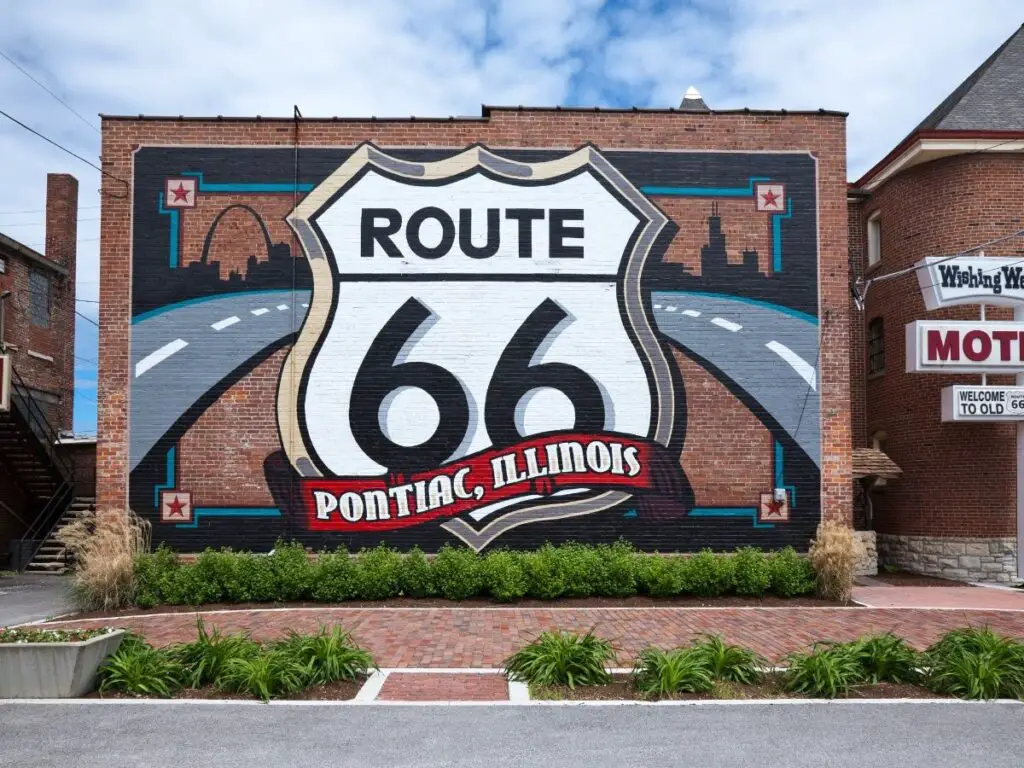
306	306
155	358
260	311
657	306
727	324
220	325
691	313
804	369
282	307
670	309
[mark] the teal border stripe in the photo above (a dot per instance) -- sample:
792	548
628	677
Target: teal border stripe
168	477
173	213
777	234
734	192
756	302
244	186
204	299
198	512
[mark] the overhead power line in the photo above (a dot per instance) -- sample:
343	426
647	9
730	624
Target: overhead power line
87	318
62	148
43	210
67	106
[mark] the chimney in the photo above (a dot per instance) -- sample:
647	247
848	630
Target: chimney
62	247
692	102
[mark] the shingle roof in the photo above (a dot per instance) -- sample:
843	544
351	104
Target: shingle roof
870	461
991	99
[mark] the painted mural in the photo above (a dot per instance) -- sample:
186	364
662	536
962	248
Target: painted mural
482	346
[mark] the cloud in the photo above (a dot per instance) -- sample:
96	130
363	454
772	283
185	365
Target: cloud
886	63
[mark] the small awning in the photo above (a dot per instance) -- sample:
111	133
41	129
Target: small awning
868	462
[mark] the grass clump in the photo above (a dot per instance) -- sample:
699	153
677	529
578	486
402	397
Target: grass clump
266	676
887	658
660	673
139	669
104	547
732	663
204	660
328	656
828	671
562	658
976	663
833	554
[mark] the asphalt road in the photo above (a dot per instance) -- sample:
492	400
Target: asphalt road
180	354
31	597
846	735
768	353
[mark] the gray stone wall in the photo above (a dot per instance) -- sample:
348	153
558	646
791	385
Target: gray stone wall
867	562
959	558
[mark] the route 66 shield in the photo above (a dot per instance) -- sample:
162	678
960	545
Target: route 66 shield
478	349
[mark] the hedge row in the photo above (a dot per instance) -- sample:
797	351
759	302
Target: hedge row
570	570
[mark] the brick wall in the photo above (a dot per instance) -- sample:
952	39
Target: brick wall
958	479
52	377
237	419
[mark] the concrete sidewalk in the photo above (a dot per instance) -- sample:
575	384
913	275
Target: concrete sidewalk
877	592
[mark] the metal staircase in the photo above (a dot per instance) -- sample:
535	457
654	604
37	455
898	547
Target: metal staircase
52	556
29	451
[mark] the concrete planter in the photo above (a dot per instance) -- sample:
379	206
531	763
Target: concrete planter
53	670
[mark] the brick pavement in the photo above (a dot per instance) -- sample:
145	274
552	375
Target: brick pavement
892	596
483	637
402	686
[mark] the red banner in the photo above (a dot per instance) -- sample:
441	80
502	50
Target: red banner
533	469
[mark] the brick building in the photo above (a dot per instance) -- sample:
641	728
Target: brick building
535	325
37	337
955	183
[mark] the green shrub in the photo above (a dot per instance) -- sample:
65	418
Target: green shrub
829	670
376	573
751	573
887	658
334	577
791	575
729	662
457	573
562	658
976	663
616	574
141	671
544	573
415	578
661	673
660	576
292	570
708	574
504	576
151	571
327	656
204	659
580	567
270	674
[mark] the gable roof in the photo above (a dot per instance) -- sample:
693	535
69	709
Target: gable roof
991	98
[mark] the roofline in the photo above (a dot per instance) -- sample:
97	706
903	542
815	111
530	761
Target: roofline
485	114
32	255
924	134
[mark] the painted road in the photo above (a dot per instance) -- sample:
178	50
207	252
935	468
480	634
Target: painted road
849	734
185	350
768	352
182	352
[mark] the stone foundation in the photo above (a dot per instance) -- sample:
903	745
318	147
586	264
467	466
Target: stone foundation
867	563
960	558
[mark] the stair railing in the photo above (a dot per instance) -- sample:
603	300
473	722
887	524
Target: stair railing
48	440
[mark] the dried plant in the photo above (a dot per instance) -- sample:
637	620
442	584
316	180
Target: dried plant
834	554
104	546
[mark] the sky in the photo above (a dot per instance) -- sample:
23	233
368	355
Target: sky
886	62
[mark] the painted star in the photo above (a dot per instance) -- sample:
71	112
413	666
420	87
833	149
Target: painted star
769	197
775	508
180	194
175	507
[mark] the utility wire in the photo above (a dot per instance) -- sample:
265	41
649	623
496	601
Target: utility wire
62	148
43	210
7	225
67	106
87	318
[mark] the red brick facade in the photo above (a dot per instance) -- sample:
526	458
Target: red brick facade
241	416
958	479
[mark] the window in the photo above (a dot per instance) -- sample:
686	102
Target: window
874	239
39	299
876	346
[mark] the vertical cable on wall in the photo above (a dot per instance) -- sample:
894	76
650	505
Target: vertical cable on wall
297	117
